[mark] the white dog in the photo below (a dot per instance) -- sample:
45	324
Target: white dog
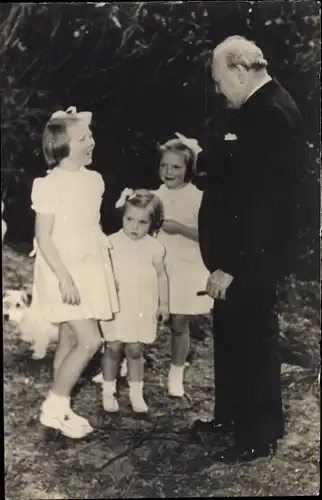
14	304
22	308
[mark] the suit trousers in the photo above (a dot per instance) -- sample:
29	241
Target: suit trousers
247	365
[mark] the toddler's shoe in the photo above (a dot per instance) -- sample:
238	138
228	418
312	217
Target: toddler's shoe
136	397
110	403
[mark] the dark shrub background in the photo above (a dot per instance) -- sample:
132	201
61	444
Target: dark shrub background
143	69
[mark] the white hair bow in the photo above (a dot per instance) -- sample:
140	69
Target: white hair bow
126	194
190	143
85	116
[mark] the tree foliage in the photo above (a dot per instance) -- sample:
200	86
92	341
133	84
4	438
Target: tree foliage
143	69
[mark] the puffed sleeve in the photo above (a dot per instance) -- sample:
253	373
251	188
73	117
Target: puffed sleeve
44	196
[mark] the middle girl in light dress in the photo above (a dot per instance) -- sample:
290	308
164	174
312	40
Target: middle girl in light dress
179	234
138	261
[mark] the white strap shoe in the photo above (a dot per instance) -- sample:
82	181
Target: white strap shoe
69	424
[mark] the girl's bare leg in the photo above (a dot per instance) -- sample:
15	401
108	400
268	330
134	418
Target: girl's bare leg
67	343
180	339
56	410
111	360
110	364
134	355
89	341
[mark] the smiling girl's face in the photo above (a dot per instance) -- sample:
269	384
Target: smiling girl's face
81	143
172	170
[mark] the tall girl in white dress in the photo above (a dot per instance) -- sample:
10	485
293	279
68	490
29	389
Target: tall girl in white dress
73	277
138	262
179	234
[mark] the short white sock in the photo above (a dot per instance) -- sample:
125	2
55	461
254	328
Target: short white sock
58	402
136	387
176	372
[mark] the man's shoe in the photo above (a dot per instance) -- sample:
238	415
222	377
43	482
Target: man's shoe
235	454
209	429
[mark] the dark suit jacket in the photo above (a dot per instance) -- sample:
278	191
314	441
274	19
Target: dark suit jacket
248	216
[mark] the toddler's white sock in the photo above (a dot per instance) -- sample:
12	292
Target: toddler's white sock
110	403
109	387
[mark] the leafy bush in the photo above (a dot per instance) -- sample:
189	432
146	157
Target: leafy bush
143	69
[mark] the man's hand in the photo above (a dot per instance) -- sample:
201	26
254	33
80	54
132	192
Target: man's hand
218	283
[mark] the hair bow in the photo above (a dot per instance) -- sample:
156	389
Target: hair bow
126	194
192	144
85	116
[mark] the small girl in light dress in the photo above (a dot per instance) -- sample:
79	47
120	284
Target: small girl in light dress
179	234
138	262
74	284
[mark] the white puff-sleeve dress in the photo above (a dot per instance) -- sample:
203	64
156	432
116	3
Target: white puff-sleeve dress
137	289
186	271
74	198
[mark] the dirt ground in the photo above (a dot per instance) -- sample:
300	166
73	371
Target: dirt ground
131	457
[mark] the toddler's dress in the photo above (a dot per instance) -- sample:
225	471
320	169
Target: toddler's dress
74	198
186	271
137	285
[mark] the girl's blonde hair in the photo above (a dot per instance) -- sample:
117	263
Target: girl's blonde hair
143	198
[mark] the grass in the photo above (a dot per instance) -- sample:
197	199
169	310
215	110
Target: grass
151	457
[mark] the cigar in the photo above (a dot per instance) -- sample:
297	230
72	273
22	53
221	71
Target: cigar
202	292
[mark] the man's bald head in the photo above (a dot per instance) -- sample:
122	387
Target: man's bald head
238	65
236	50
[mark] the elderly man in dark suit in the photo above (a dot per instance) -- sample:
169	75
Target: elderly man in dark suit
247	233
